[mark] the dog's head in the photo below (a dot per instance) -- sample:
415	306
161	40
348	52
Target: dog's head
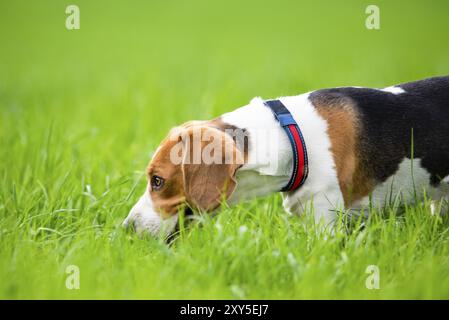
194	167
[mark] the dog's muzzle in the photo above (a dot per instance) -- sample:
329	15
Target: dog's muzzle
143	218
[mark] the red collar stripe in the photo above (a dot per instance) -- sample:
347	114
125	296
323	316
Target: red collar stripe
300	164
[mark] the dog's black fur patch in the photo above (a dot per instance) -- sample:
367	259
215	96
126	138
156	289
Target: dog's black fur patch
389	122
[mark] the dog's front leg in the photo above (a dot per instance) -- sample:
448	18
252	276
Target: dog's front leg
324	205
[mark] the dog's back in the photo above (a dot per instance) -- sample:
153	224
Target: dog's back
395	125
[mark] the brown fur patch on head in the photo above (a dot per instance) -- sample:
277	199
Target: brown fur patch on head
343	130
199	185
206	183
171	197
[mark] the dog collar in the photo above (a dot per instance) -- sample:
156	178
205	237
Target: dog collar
300	164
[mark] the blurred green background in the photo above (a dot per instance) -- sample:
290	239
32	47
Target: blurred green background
82	110
196	59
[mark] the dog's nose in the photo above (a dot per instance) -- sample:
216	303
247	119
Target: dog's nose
125	223
128	222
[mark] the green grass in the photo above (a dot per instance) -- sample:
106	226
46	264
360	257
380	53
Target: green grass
81	112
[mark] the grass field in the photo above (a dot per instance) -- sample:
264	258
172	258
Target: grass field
81	112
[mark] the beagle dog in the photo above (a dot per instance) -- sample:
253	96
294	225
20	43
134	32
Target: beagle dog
326	150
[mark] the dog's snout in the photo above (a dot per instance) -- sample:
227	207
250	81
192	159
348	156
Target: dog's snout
127	223
143	218
131	220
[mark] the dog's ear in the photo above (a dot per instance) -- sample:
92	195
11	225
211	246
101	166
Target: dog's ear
210	162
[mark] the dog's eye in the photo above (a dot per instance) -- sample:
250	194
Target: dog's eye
157	182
